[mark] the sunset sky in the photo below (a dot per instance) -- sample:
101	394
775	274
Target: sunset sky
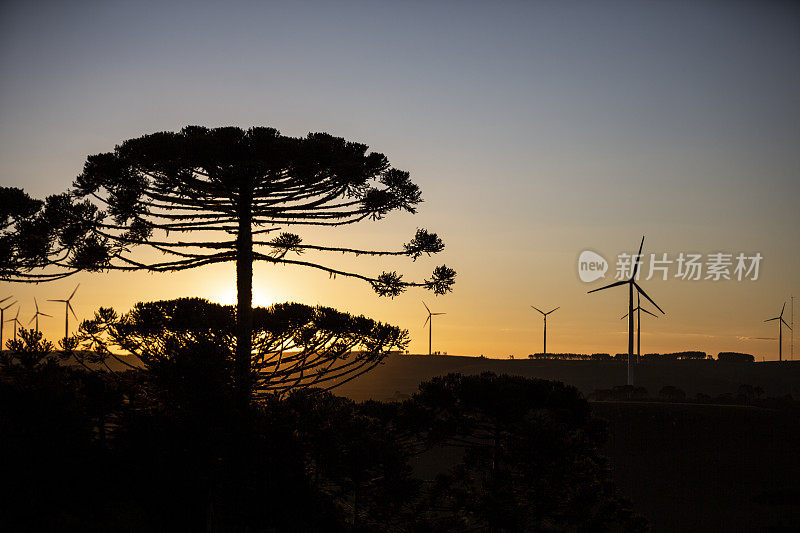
536	130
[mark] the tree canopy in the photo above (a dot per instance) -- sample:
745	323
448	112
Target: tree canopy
295	346
207	185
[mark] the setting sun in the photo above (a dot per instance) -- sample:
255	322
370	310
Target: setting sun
226	295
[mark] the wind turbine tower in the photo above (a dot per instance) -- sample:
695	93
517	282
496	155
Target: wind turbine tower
544	351
639	310
67	310
2	319
781	323
631	283
37	315
16	322
429	323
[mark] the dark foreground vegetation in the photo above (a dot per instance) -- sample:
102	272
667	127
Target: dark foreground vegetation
743	395
167	447
693	467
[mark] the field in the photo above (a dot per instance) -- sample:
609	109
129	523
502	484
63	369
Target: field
706	467
401	374
686	467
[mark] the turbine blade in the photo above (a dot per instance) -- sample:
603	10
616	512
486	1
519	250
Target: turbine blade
45	314
36	304
550	311
426	307
69	306
62	301
73	292
623	316
4	299
426	321
771	319
649	313
438	313
638	288
9	305
31	320
636	264
538	309
783	309
785	324
618	283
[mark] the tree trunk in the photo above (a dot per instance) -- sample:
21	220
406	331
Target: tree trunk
244	296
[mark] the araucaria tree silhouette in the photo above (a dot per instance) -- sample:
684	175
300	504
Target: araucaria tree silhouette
295	346
225	190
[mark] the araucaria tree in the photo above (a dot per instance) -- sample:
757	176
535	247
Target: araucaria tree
295	346
225	190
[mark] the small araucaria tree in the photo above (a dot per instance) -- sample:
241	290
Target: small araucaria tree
295	346
225	190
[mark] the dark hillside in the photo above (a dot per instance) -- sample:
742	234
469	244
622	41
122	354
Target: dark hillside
403	373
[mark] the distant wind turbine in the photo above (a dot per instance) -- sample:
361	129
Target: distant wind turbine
545	325
631	285
639	310
780	320
37	315
429	323
67	310
16	322
2	319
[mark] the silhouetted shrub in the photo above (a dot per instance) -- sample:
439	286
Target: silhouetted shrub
28	351
671	393
571	356
628	392
735	357
621	356
692	355
602	395
530	458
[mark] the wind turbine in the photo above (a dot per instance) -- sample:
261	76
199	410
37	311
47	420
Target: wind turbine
545	325
429	322
631	286
67	310
780	320
37	315
16	322
2	320
639	310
